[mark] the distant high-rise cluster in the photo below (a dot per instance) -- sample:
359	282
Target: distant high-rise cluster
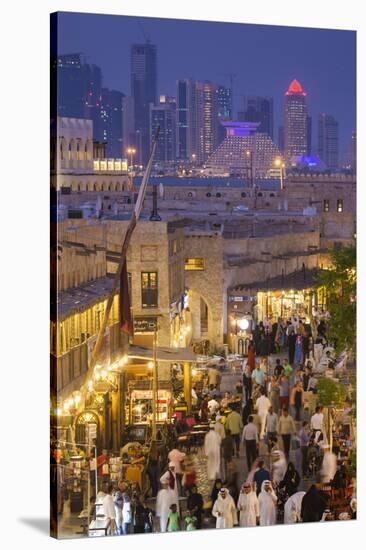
80	95
192	123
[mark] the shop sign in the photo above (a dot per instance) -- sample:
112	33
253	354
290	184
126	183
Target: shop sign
241	298
144	325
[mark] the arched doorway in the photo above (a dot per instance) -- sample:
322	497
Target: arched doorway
87	427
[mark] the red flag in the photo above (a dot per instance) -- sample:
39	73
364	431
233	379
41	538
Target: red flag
124	303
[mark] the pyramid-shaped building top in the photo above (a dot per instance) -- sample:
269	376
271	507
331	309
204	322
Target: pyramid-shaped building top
295	88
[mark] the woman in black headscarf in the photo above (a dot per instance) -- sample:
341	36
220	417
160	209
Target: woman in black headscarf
291	480
313	505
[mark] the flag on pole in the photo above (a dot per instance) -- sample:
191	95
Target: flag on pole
124	303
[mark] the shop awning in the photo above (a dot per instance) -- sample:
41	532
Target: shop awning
298	280
169	355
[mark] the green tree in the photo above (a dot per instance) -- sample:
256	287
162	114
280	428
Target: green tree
340	284
330	392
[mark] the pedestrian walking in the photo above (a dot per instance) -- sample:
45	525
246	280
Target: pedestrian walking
297	400
165	498
224	510
260	475
262	405
212	449
271	428
234	423
304	436
173	519
250	441
267	501
248	506
284	389
286	428
227	445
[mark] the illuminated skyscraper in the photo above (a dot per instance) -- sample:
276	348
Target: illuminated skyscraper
328	140
144	92
197	119
296	122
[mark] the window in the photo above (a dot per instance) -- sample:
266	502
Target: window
149	289
340	205
194	264
243	195
218	195
208	194
326	205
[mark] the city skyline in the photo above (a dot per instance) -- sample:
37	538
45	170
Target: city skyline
320	59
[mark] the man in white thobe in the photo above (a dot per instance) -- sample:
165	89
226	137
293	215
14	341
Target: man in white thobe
292	511
165	498
248	506
170	477
262	405
224	510
329	465
212	448
267	504
279	466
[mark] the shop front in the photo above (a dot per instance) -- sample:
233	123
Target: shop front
296	294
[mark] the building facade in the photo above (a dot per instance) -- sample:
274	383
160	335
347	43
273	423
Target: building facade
258	109
164	116
328	141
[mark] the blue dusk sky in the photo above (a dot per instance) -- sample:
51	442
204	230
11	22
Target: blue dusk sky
265	59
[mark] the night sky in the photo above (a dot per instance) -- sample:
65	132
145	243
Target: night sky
265	59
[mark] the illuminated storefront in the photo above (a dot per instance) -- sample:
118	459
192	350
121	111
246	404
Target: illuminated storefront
280	297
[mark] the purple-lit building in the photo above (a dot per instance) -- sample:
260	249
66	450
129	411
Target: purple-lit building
245	151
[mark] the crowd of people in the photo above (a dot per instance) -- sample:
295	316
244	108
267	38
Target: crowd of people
273	420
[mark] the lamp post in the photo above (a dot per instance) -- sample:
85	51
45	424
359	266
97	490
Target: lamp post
131	151
281	165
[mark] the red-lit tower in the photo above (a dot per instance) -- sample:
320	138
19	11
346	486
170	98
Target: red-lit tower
295	124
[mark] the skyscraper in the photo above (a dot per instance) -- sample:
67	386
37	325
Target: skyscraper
224	109
328	140
186	142
144	92
295	123
70	86
206	119
79	87
309	126
258	109
110	124
164	115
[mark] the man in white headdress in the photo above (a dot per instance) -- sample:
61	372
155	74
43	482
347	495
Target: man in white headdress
212	448
165	498
329	465
219	427
279	467
262	405
224	510
248	506
292	511
267	504
170	477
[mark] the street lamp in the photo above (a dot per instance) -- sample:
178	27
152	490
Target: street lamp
131	151
281	165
